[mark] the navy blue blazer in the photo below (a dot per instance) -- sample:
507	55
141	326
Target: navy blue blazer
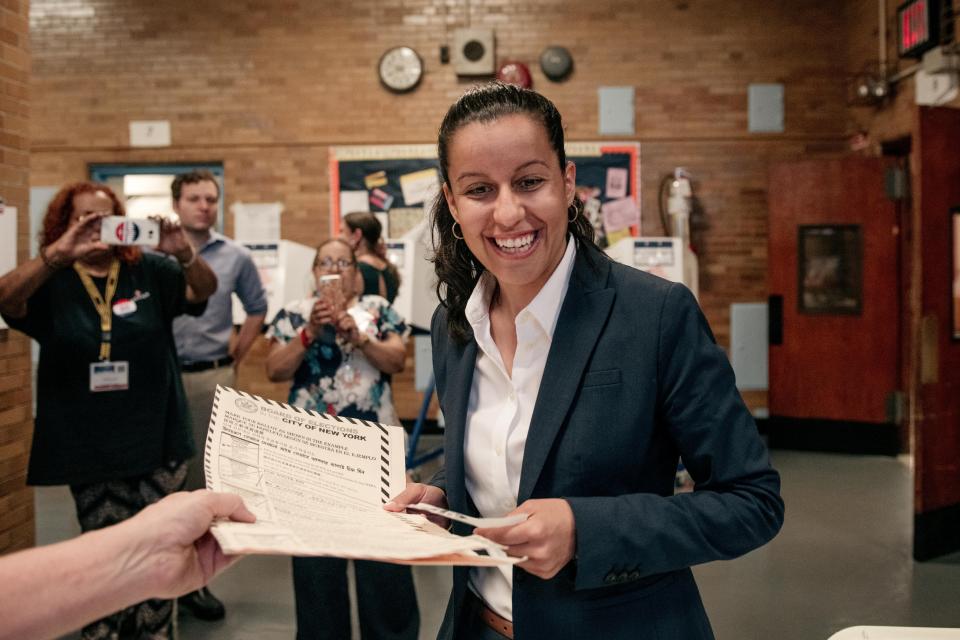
633	380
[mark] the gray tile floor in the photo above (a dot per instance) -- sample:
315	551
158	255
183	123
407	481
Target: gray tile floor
842	559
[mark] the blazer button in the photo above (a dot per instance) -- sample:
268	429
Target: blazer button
623	577
610	578
634	575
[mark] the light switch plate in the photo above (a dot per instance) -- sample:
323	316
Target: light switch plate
765	110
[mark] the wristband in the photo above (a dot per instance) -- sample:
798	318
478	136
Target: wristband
305	340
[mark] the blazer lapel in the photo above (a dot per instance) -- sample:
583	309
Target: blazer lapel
582	318
460	366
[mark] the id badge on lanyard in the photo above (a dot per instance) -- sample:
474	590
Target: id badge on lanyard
105	374
109	376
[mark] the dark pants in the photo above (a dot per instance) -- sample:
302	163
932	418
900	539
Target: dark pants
386	600
101	504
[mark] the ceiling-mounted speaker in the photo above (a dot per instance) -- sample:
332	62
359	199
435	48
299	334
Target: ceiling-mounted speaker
473	52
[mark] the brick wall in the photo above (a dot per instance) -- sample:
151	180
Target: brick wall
266	88
16	501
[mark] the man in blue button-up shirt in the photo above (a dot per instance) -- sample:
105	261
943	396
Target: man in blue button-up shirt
208	356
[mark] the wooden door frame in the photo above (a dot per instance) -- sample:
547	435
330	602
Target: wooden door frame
901	149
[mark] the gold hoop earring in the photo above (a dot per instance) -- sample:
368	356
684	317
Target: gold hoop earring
453	230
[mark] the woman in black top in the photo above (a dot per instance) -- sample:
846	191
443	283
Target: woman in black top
111	414
362	232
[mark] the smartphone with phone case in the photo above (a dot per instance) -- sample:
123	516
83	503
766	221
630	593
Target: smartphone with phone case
329	289
122	230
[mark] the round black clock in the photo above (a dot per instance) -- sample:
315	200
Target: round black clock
400	69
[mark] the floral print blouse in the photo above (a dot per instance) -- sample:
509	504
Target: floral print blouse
335	377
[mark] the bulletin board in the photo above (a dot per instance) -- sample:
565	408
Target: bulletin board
398	184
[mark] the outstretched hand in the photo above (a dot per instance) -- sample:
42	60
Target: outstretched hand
547	537
172	537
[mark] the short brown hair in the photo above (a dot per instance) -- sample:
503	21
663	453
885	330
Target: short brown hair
192	177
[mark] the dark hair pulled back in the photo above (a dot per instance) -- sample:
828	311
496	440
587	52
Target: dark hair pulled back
456	267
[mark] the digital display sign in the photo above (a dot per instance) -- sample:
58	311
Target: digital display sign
918	27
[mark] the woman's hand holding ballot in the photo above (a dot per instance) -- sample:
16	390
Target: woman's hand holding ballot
547	538
419	492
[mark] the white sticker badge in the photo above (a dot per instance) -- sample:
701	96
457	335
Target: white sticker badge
124	307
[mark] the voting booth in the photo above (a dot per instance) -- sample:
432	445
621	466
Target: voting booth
286	271
417	296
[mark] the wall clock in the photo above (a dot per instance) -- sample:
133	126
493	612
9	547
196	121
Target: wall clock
400	69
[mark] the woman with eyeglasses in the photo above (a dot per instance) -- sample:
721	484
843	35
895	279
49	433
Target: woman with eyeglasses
339	348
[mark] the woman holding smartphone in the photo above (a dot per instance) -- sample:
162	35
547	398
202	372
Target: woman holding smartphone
339	348
111	415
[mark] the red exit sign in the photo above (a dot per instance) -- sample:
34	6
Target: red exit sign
918	27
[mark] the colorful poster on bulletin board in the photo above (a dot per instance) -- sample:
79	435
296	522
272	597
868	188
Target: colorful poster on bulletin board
398	183
608	183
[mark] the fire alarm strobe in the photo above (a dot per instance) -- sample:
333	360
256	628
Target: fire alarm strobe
513	72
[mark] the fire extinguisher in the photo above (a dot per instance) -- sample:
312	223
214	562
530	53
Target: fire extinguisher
674	201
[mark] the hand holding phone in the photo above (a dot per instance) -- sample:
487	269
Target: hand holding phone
122	230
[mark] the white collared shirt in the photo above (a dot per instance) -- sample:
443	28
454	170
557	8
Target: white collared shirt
500	408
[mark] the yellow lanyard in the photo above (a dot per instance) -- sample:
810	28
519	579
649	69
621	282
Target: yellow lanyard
102	303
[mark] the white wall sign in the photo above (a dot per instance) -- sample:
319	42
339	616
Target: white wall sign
8	243
616	111
149	133
765	108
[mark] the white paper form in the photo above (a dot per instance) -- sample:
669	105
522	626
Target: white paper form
419	186
317	484
351	201
620	214
257	223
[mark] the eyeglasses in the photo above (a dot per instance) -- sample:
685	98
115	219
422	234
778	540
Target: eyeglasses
329	264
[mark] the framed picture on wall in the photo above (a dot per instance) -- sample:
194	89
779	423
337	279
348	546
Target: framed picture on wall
830	269
955	289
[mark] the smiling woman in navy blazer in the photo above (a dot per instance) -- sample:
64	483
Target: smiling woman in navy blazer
570	386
